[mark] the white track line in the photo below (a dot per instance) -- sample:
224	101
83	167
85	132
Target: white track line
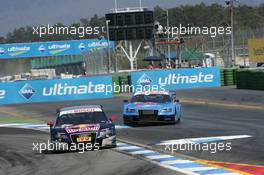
201	139
128	147
170	162
120	144
200	168
142	152
159	156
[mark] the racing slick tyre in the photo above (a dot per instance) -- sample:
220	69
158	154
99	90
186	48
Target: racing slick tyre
178	119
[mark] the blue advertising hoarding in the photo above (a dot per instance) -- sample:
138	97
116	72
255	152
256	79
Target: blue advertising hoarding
56	48
177	78
56	90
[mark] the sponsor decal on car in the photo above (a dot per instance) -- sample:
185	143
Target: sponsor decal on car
75	111
90	127
152	93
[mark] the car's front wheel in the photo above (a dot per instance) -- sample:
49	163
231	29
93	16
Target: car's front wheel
178	117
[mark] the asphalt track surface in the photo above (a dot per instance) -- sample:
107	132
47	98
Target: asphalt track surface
200	120
17	157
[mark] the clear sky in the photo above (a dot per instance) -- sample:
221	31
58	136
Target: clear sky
19	13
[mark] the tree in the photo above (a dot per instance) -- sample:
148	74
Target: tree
246	18
2	40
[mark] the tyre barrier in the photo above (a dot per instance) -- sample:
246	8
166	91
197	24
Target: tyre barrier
250	79
123	81
229	77
222	77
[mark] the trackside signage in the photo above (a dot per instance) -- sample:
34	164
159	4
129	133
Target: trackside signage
56	48
56	90
178	78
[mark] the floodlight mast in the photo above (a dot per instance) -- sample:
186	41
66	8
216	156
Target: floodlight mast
128	9
231	4
169	48
232	34
115	5
108	47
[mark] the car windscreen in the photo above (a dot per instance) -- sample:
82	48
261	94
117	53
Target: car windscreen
81	118
154	98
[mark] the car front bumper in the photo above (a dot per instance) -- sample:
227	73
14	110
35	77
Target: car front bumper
148	118
97	142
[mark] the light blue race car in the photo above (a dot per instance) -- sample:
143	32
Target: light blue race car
152	107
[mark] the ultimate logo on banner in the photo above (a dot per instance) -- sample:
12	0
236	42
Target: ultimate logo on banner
178	78
56	48
56	90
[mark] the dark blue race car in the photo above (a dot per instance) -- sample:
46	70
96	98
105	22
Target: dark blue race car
149	107
83	124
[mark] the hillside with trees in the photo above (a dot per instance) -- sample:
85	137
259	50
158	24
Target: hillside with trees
246	18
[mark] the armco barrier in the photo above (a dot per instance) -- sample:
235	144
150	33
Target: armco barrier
177	78
250	79
56	90
228	76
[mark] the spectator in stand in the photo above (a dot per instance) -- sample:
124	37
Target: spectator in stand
150	66
161	66
168	66
190	65
173	65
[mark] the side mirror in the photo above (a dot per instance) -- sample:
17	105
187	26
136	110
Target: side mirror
50	123
113	118
125	101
